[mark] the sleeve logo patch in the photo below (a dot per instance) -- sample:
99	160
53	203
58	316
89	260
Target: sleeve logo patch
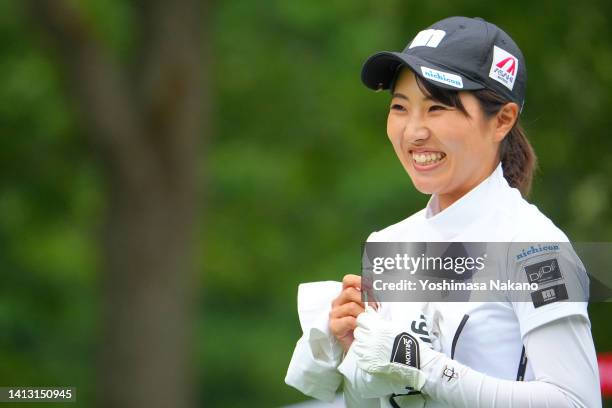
526	253
450	373
543	272
549	295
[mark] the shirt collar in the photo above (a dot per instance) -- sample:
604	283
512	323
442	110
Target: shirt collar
485	196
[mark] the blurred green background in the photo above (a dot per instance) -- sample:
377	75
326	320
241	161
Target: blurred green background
294	173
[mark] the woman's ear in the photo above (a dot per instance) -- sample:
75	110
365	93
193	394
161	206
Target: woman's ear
505	120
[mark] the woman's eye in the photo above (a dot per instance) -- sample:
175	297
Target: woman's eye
436	108
396	106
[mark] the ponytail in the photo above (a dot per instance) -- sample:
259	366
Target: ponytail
518	159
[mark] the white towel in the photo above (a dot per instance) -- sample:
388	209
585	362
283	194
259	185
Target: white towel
317	354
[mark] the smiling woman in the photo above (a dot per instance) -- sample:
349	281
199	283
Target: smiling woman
458	89
449	141
447	150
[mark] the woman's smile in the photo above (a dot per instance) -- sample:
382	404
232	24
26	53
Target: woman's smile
425	160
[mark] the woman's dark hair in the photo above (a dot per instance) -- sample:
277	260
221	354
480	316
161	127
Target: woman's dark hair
516	154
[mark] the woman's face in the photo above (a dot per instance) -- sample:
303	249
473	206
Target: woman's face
444	151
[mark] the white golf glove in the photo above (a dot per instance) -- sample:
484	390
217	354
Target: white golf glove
397	352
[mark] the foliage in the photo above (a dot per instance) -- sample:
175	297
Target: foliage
297	173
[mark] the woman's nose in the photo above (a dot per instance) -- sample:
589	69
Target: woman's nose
416	131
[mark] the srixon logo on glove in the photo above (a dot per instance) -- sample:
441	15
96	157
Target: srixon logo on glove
406	347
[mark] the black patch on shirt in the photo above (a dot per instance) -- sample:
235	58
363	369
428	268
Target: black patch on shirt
405	350
548	295
543	272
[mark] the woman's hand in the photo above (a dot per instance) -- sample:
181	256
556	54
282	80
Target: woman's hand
345	309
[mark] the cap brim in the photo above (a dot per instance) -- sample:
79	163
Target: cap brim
378	72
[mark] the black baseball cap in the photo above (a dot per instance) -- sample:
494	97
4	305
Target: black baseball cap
458	53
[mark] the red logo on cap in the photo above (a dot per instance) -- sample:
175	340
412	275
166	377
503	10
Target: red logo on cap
502	63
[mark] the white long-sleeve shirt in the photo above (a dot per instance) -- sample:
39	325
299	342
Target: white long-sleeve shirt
561	364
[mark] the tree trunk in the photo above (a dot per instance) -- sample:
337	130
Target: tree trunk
146	122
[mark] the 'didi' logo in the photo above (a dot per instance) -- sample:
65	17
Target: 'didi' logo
504	67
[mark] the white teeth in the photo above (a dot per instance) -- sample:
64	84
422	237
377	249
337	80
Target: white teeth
427	158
